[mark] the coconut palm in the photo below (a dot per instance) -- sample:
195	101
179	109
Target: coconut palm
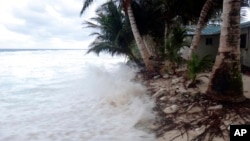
126	4
114	35
226	81
201	23
138	38
196	65
213	6
176	40
157	18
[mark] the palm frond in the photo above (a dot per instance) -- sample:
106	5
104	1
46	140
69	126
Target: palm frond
197	65
98	47
95	34
86	4
114	34
91	25
175	42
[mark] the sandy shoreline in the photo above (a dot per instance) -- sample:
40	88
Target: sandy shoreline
161	88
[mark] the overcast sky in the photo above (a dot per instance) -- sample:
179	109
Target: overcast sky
44	24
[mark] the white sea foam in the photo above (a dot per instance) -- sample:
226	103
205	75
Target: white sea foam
91	101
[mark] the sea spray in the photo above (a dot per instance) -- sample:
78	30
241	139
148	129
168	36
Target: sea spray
123	99
68	99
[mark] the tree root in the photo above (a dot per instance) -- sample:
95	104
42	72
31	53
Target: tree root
215	121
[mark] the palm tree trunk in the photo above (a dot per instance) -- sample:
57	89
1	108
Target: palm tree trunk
201	23
146	40
165	34
133	58
225	82
141	46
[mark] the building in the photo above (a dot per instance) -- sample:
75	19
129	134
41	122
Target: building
210	37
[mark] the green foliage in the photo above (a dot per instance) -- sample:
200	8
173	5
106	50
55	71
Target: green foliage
197	64
175	42
154	18
114	34
86	4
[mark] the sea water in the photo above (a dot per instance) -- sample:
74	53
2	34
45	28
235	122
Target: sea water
66	95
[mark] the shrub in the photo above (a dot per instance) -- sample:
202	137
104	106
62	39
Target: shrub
196	65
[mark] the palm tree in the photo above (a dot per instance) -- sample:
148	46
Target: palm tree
114	35
171	53
225	82
175	42
157	18
213	6
138	38
201	23
140	44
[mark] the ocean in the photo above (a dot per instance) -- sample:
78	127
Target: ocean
66	95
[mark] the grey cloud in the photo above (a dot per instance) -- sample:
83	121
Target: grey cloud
40	24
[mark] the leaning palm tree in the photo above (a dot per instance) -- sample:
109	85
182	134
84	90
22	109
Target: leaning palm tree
138	38
201	23
225	82
114	35
140	44
163	15
209	6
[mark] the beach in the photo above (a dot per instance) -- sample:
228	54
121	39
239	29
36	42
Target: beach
178	106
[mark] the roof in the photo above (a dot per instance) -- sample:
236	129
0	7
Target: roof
209	30
213	29
245	24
